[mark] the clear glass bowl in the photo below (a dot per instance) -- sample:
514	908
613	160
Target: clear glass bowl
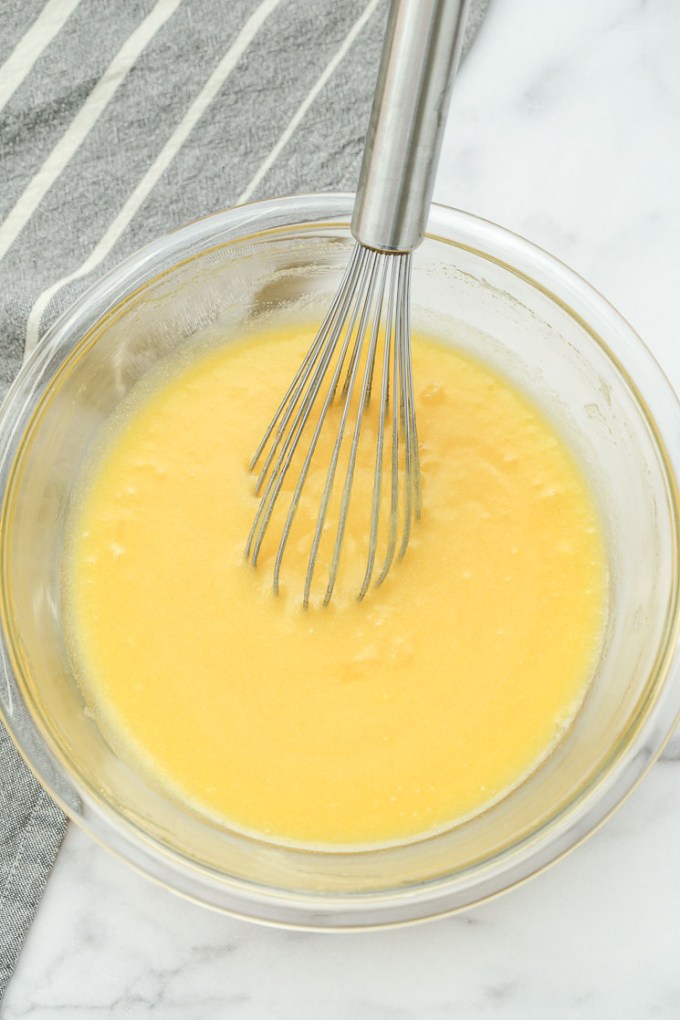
491	293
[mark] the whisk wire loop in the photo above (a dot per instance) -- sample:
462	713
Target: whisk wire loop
371	308
380	443
413	497
364	285
323	348
320	351
296	387
365	390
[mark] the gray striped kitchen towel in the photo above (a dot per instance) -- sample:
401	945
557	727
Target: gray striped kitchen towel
118	122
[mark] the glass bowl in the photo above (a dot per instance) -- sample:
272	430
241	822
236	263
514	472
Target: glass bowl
493	294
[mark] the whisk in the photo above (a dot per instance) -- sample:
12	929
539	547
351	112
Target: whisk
359	365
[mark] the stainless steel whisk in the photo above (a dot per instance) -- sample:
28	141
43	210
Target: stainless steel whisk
368	323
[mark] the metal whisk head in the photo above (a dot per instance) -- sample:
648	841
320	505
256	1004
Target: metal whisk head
351	401
356	378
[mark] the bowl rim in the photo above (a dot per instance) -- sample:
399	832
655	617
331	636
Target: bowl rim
386	908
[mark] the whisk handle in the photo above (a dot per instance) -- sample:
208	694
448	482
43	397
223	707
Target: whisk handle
420	55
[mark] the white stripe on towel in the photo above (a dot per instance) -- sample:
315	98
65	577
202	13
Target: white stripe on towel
157	168
38	37
304	106
82	123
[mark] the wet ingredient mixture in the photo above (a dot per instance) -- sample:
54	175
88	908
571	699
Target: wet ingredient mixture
361	723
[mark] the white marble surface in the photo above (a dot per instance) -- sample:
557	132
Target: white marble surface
566	128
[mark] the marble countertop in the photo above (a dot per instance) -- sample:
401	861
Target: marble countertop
565	128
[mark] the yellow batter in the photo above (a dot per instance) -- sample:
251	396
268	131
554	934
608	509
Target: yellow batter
361	723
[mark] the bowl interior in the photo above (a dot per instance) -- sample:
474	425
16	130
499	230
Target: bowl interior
467	297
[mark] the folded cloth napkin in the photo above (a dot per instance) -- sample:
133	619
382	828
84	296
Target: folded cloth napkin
119	122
